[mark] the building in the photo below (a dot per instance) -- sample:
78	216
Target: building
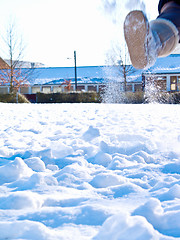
90	78
3	64
25	64
165	74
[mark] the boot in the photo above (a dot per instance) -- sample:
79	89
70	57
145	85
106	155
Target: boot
147	41
168	35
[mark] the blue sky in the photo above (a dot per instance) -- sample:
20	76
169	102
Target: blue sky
53	29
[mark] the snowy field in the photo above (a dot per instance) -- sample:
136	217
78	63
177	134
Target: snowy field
89	171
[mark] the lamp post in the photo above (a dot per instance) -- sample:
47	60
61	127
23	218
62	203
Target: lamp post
75	70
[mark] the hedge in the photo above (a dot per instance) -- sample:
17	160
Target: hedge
12	98
134	97
72	97
141	97
91	97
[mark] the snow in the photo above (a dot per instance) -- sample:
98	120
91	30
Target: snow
85	75
165	65
101	74
56	75
89	171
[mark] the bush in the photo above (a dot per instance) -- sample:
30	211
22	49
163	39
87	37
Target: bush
134	97
159	97
175	98
70	97
12	98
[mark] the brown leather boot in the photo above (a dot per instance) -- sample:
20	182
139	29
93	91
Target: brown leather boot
147	41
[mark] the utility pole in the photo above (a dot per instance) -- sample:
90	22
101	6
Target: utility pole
75	70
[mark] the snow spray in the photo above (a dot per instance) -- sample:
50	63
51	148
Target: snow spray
135	4
109	5
153	93
117	11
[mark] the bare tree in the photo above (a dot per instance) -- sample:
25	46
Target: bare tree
120	70
14	75
119	58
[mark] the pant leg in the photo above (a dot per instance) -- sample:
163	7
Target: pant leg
162	2
172	13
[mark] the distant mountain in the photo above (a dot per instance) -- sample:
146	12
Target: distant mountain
26	64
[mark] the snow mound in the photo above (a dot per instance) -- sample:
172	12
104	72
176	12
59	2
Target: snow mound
35	181
142	156
101	158
125	189
172	168
124	227
60	150
26	230
166	223
103	180
72	174
36	164
170	194
14	170
91	133
127	147
120	161
6	152
21	200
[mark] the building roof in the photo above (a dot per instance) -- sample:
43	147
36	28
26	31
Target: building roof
99	74
165	65
59	74
87	74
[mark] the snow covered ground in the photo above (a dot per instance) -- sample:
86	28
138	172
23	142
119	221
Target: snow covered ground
89	171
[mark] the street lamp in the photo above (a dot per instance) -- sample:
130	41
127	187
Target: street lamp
75	70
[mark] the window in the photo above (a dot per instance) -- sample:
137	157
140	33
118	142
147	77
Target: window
178	83
92	88
137	87
129	88
173	80
160	85
46	89
3	90
102	88
24	90
160	78
158	82
80	88
35	90
57	89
